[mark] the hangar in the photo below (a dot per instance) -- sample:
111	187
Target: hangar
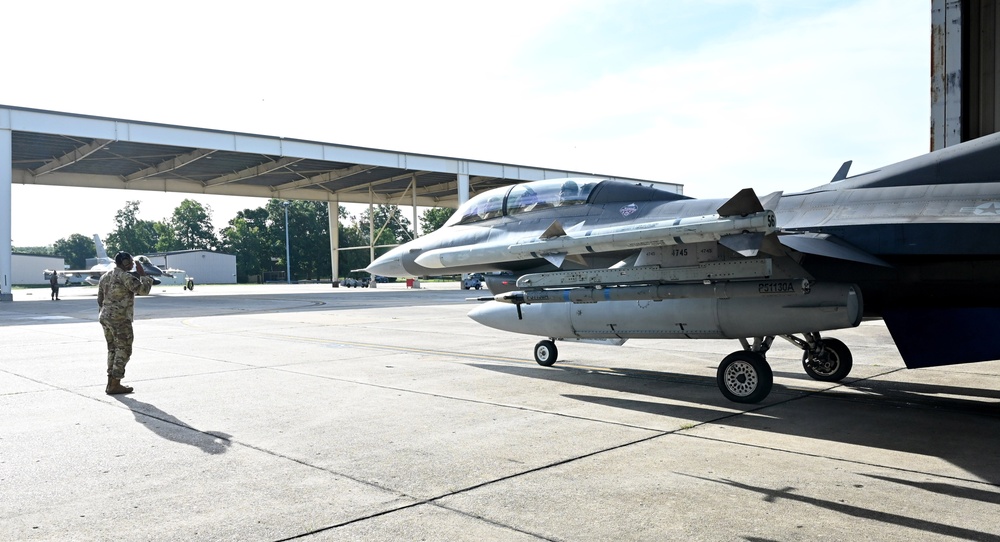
64	149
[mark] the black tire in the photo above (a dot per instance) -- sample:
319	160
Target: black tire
546	353
836	364
744	377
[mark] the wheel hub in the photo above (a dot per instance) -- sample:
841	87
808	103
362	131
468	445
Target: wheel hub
826	364
741	378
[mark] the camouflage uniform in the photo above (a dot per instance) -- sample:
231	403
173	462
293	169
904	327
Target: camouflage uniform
115	295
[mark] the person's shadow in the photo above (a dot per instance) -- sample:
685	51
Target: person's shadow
171	428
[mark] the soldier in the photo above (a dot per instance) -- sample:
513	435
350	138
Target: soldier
116	296
54	283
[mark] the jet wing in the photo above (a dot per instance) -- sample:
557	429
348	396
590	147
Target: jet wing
77	275
821	244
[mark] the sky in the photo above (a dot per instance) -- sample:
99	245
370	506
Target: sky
717	95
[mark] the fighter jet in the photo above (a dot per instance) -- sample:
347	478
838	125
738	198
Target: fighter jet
104	264
916	243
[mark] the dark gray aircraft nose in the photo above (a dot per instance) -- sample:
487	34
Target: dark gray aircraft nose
389	264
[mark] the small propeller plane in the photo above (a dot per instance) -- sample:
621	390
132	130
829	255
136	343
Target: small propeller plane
916	243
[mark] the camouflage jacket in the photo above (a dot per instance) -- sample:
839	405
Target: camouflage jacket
116	294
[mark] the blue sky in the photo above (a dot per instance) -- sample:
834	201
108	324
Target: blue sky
715	94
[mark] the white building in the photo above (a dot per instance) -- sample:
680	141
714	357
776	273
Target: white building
204	266
29	269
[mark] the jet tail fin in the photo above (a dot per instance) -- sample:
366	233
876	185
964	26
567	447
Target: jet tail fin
101	253
745	202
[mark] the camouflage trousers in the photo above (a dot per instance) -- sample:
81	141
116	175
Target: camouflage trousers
118	334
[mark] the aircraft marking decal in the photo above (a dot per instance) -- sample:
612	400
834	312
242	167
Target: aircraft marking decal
991	208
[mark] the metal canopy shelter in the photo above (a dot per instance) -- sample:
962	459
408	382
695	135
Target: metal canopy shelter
63	149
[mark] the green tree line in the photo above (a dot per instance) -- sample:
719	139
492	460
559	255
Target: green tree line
255	236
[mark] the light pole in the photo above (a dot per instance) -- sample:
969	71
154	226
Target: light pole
288	253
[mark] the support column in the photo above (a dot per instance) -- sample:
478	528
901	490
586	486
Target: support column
947	79
371	224
333	210
413	188
6	178
463	188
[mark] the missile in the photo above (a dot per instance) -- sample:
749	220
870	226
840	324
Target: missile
555	242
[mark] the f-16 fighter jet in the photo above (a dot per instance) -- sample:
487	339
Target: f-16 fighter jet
915	243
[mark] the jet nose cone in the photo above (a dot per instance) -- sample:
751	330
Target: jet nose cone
388	265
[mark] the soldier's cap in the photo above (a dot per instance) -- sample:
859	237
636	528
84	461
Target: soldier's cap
122	256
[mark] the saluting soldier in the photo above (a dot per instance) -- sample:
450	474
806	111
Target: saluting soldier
116	297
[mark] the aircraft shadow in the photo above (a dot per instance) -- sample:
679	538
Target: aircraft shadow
892	416
152	307
788	494
173	429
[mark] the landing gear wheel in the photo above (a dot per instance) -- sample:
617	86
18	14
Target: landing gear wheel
546	353
744	377
832	365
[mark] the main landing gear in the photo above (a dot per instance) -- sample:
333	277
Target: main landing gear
745	376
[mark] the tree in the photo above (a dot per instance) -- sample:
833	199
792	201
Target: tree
351	235
434	218
250	237
192	226
396	229
131	234
75	250
309	245
166	237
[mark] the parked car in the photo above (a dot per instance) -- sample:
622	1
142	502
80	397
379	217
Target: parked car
474	280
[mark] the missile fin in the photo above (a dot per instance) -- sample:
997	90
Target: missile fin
577	259
555	229
746	244
744	203
556	259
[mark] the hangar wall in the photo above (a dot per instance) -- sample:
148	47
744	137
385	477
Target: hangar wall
965	65
205	266
28	269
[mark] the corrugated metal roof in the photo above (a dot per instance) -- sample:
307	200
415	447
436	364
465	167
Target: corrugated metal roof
77	150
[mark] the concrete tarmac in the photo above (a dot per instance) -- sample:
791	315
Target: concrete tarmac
303	412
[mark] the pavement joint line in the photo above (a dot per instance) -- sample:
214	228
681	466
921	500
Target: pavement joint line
835	459
418	502
470	400
920	525
433	500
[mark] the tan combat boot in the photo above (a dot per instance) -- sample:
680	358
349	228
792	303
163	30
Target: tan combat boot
115	387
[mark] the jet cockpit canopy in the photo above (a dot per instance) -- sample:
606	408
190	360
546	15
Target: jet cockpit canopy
523	198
